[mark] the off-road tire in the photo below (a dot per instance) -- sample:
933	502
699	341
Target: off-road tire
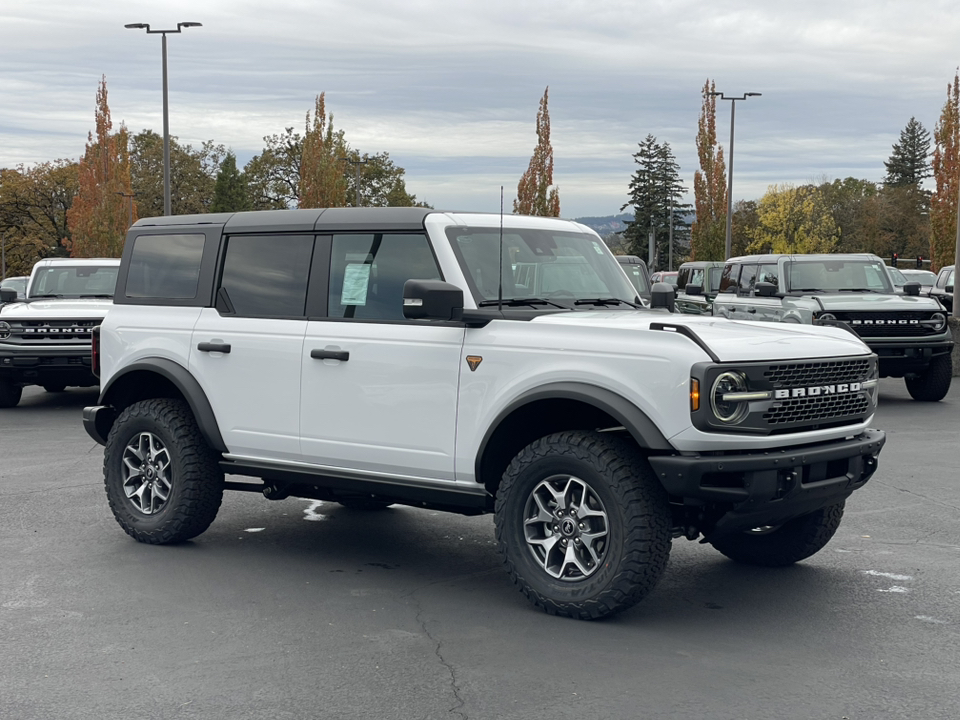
934	384
9	394
195	476
637	516
786	544
55	387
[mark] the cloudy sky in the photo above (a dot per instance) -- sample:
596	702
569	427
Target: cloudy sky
450	89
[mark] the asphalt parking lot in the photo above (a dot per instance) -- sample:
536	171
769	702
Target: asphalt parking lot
302	609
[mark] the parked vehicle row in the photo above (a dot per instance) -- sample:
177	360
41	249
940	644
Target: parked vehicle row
45	336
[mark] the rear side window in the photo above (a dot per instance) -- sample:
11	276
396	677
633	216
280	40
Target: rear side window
165	266
729	279
265	275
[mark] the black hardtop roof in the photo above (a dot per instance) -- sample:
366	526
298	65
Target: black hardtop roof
303	220
629	260
773	257
702	264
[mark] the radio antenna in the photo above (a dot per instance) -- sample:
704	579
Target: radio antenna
500	283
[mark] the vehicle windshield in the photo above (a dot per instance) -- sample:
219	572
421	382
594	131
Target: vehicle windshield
75	281
540	267
924	277
897	277
830	275
16	283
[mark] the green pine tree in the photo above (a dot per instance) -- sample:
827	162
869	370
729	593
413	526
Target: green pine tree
654	190
909	163
230	192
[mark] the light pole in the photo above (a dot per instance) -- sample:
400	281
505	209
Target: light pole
131	196
728	249
166	116
356	182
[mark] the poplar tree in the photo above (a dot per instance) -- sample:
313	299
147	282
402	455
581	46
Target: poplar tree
100	213
708	233
535	194
946	172
322	180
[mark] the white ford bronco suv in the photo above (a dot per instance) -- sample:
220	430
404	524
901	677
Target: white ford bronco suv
45	337
908	332
470	363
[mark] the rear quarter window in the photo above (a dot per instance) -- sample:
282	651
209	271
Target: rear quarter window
165	266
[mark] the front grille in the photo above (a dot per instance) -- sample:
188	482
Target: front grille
818	372
46	332
814	409
889	324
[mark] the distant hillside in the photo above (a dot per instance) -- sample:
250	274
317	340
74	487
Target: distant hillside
605	225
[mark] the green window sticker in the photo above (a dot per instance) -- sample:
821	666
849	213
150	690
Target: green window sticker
356	281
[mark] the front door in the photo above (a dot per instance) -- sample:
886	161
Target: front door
379	392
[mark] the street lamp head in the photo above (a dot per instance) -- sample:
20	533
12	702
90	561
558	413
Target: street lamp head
752	94
714	94
137	26
189	24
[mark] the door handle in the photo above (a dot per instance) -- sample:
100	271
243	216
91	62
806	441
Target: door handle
330	355
214	347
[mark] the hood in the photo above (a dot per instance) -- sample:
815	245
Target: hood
38	309
871	302
730	340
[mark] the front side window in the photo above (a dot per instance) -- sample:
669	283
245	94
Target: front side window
368	271
265	276
748	278
534	263
695	277
165	266
769	273
830	275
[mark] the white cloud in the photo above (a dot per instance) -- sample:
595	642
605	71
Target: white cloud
451	89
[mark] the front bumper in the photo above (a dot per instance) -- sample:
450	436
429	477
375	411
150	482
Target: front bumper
908	356
41	365
772	486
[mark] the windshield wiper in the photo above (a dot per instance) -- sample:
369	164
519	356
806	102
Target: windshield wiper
806	290
605	301
518	302
46	295
104	295
869	290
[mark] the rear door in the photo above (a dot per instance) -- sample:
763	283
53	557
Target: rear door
246	351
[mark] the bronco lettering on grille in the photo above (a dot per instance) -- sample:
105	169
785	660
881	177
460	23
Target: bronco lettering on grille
817	390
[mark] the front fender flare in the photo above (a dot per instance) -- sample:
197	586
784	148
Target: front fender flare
188	386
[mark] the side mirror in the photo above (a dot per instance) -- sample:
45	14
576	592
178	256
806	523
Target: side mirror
8	295
949	288
693	290
911	288
765	289
662	295
432	300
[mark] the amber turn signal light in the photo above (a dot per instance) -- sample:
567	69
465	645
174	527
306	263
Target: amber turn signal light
694	394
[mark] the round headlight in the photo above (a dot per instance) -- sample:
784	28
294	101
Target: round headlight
939	321
4	330
827	317
729	411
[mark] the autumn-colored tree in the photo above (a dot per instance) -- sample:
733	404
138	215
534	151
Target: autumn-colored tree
322	180
946	172
535	194
33	211
708	233
794	220
100	214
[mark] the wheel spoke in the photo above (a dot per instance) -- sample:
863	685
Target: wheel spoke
571	558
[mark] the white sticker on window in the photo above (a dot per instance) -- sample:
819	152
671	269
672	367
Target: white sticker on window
597	248
356	280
